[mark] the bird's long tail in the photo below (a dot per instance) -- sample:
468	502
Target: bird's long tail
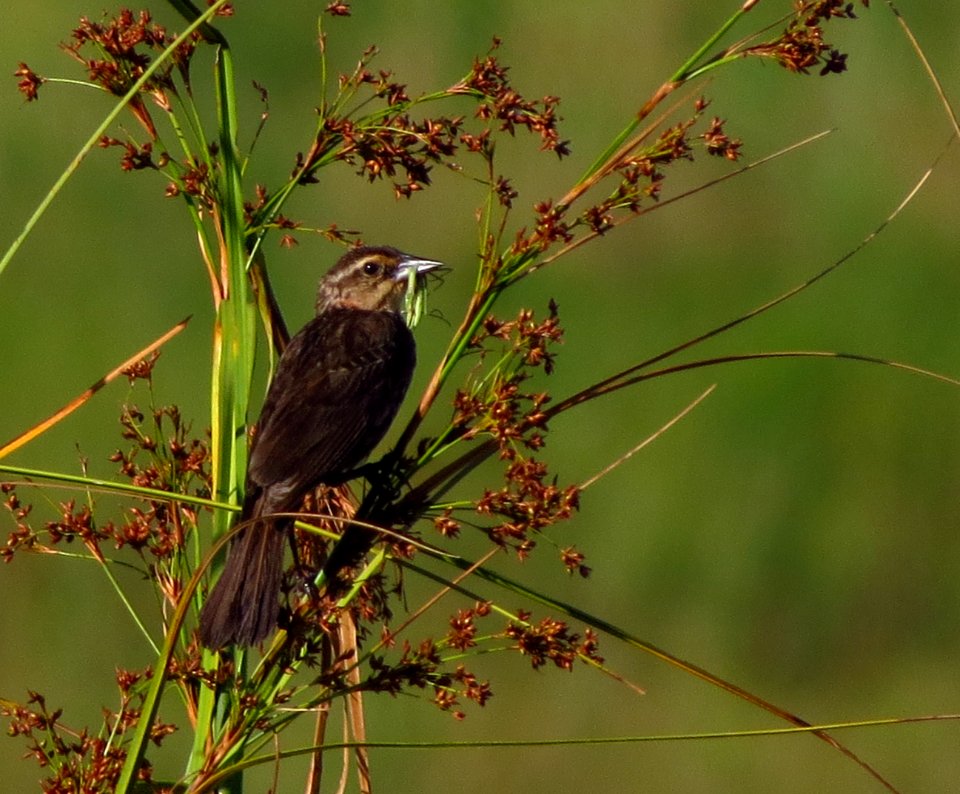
243	606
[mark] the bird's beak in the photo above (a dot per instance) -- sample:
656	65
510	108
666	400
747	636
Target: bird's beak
417	265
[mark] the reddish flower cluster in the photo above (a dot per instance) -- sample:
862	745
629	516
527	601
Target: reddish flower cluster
421	667
128	682
801	46
641	173
142	369
195	179
119	39
504	191
177	464
527	503
823	10
573	561
373	602
468	686
445	524
23	536
501	102
123	47
718	144
135	158
529	338
504	411
76	760
190	669
550	640
73	523
253	210
78	523
530	499
383	144
549	228
400	144
30	81
463	628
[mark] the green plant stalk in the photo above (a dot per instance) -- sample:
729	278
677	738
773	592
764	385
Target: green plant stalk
131	610
234	339
273	757
127	781
235	328
458	345
636	642
686	72
202	149
690	67
482	305
233	355
116	487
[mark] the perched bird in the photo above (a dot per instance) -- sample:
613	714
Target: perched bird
337	387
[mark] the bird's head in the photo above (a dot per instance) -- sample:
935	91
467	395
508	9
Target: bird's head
371	278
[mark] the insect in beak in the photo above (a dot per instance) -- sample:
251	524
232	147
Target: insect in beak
414	300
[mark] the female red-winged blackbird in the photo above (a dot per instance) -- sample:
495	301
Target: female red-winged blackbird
336	390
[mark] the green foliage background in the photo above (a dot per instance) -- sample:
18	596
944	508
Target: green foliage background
798	534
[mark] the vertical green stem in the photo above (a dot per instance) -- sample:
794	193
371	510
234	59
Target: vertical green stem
234	345
232	370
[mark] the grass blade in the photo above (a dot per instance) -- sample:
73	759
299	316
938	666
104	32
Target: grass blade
41	427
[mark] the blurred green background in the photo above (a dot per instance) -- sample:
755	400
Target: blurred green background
798	534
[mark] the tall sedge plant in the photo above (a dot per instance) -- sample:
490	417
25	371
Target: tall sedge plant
341	641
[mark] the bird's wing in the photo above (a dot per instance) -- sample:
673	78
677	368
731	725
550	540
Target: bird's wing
336	390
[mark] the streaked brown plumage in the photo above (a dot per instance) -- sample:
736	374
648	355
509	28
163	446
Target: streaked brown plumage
335	392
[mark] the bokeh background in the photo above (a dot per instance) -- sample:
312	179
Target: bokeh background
798	534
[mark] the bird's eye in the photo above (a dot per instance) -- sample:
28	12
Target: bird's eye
371	268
